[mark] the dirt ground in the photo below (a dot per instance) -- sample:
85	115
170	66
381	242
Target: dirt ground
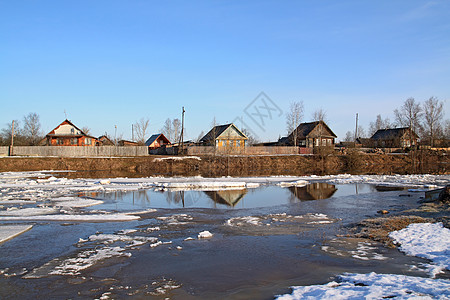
212	166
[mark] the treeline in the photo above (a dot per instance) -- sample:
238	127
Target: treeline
425	118
27	132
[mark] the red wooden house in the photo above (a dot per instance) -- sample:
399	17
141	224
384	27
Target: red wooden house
156	141
67	134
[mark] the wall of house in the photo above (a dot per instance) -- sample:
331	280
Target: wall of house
80	151
66	129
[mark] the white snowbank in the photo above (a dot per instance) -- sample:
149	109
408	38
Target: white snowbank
176	158
23	212
374	286
8	232
205	235
426	240
77	218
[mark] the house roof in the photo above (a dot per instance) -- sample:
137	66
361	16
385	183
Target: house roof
154	137
67	135
216	131
304	129
390	134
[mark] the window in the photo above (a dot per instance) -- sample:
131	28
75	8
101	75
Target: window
59	142
238	143
73	141
88	141
72	131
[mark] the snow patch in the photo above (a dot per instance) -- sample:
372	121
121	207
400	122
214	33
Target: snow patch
374	286
426	240
205	235
8	232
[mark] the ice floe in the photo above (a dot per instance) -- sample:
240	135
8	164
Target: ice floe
205	235
374	286
8	232
118	217
426	240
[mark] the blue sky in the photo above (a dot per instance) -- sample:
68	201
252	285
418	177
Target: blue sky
110	63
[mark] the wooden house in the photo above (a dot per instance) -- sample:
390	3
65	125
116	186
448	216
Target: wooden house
395	138
105	141
226	136
127	143
310	135
156	141
67	134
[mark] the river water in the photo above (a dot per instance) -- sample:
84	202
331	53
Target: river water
263	241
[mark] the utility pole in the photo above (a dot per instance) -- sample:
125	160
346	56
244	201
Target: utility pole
12	139
356	129
181	143
115	135
132	132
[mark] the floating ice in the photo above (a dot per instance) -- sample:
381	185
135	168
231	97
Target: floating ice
8	232
205	235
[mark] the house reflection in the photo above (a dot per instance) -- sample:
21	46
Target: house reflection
227	197
313	191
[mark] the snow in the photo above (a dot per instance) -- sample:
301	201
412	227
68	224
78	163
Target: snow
374	286
75	202
8	232
205	235
23	212
79	218
176	158
426	240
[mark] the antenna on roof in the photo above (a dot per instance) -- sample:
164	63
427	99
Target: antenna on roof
65	114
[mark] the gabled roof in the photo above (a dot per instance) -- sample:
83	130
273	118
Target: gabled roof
216	131
390	134
304	129
71	124
154	137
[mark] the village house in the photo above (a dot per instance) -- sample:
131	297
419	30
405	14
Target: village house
67	134
105	141
156	141
226	136
126	143
395	138
310	135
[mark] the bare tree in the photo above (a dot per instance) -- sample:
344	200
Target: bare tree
320	115
6	132
172	130
293	119
32	128
141	129
251	139
378	124
433	115
176	125
409	114
86	130
199	137
349	136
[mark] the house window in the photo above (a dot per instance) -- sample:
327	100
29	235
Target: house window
73	141
223	143
59	142
88	141
72	131
238	143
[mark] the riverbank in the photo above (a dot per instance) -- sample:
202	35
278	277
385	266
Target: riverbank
214	166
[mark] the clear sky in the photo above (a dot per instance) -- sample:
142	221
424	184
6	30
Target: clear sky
110	63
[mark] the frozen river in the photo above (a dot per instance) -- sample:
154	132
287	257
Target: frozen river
193	238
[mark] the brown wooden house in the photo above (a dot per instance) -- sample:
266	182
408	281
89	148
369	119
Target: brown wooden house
67	134
105	141
156	141
395	138
310	135
226	136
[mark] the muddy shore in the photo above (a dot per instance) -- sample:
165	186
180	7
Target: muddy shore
213	166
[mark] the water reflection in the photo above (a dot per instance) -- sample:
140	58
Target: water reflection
265	196
313	191
227	197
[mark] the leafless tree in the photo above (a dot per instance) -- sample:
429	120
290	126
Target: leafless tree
293	119
19	139
409	114
378	124
433	115
86	130
251	139
172	130
320	115
141	130
349	136
199	137
32	128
